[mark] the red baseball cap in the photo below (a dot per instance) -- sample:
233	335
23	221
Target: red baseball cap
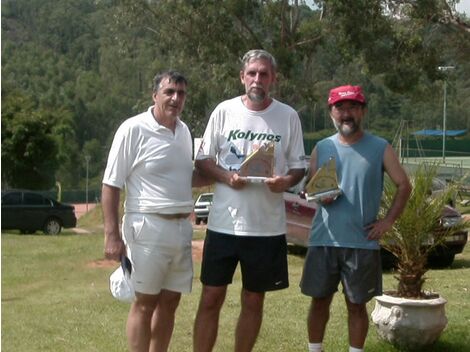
346	93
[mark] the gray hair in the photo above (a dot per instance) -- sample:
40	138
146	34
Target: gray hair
173	76
258	54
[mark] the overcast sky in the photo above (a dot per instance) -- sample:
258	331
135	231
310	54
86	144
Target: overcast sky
463	6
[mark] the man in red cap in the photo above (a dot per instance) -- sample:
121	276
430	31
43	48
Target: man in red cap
344	240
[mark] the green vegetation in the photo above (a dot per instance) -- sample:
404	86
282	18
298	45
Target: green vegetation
55	298
73	71
420	223
464	209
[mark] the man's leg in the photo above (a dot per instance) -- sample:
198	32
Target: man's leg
163	320
358	323
139	321
207	318
249	321
318	316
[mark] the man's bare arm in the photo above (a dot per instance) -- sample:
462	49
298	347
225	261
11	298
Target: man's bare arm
199	180
399	177
113	244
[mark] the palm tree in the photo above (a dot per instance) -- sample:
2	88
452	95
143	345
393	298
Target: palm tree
418	230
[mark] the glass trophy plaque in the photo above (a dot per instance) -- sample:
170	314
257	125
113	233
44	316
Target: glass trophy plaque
259	165
324	184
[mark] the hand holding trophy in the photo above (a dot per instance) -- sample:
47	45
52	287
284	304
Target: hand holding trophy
259	165
323	186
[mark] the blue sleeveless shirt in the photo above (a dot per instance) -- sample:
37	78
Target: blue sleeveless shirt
360	172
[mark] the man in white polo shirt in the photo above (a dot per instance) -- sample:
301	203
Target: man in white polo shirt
151	157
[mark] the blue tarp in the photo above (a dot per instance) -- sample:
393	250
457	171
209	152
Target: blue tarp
450	133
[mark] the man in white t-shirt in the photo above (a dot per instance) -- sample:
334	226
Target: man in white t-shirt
151	157
247	219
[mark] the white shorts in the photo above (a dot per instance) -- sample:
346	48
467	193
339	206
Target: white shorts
160	252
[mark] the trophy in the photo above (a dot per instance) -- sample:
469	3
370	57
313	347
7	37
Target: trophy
259	165
324	184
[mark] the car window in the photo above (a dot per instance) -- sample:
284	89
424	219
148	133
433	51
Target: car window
12	199
438	184
34	199
205	198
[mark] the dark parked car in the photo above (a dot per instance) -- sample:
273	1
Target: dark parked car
300	214
202	207
29	212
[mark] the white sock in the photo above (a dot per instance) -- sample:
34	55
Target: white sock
354	349
314	347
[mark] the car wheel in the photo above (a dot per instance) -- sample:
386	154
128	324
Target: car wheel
52	227
198	221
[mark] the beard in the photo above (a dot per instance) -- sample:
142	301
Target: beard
348	129
256	94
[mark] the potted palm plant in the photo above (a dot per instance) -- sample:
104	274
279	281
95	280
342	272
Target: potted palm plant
410	317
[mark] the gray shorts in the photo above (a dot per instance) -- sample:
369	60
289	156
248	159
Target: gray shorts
359	270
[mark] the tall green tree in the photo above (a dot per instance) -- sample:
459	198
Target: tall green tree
29	148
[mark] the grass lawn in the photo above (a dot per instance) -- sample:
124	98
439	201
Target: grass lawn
55	298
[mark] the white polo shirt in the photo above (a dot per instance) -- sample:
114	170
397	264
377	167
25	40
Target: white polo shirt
153	164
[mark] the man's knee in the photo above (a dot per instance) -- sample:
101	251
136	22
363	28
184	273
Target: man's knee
145	303
212	298
252	300
168	300
355	309
321	304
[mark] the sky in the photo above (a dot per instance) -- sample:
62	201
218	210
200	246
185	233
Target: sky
463	6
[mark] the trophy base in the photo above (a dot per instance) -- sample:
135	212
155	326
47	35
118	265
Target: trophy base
254	179
318	197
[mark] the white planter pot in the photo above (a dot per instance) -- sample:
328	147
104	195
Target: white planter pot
409	323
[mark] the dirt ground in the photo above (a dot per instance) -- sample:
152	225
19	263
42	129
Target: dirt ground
81	209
